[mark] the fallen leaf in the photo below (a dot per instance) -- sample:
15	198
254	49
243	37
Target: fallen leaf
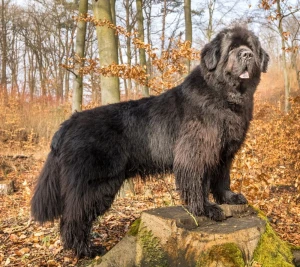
22	251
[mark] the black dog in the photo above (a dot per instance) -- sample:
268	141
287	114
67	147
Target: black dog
193	130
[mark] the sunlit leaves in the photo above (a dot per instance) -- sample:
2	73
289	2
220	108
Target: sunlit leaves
166	65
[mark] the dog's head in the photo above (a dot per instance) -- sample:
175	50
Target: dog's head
235	55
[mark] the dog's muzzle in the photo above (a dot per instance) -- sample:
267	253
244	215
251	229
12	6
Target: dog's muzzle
245	55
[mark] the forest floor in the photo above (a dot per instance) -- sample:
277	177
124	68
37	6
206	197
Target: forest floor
266	171
26	243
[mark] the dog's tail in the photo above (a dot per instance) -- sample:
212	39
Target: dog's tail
46	203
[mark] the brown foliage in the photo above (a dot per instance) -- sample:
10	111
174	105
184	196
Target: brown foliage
266	170
26	125
267	167
166	67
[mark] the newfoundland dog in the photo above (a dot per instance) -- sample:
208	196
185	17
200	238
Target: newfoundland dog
193	130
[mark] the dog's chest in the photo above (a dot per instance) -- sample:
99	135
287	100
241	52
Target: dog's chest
234	131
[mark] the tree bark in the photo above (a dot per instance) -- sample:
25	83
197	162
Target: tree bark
287	106
128	81
141	36
148	29
164	15
4	51
211	9
79	50
188	27
108	52
295	66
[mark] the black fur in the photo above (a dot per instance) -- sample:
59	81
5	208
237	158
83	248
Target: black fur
193	130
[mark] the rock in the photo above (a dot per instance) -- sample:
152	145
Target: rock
6	187
173	237
122	254
296	254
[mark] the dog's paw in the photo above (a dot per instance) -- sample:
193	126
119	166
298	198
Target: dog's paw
91	252
236	199
214	212
231	198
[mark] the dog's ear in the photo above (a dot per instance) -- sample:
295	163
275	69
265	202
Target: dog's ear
264	60
210	54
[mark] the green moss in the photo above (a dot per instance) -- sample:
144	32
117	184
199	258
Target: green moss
228	254
134	228
272	251
153	254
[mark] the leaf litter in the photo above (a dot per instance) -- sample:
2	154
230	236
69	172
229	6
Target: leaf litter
266	170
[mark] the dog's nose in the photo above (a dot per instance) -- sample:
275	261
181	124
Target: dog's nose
246	54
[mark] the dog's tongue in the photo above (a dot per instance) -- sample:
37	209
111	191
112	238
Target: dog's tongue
244	75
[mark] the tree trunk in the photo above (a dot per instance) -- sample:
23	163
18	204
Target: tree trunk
124	79
211	9
287	106
141	36
108	52
114	21
79	50
4	51
128	81
31	75
188	27
163	26
148	28
295	66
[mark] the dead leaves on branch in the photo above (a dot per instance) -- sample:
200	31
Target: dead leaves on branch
165	66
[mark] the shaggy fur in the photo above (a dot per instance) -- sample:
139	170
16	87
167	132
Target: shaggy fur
193	130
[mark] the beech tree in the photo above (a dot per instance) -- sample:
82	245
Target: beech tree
277	13
79	50
188	26
141	35
4	48
284	64
108	51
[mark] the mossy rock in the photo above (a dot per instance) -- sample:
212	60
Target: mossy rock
228	254
153	254
134	228
272	251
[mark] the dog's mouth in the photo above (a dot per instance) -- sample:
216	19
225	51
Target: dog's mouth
245	75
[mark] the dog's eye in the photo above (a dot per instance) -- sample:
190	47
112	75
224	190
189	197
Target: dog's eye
233	46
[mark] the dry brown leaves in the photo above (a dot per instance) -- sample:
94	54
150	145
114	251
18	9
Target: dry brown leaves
26	243
266	170
166	66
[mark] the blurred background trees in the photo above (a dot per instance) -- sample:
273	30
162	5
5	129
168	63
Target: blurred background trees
143	48
40	58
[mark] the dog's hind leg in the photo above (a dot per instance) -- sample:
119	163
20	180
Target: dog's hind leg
82	208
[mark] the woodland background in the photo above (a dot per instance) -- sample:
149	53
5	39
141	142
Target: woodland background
55	58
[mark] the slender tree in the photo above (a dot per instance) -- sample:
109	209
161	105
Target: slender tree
211	9
129	26
79	50
163	31
188	26
141	35
284	62
4	49
108	52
